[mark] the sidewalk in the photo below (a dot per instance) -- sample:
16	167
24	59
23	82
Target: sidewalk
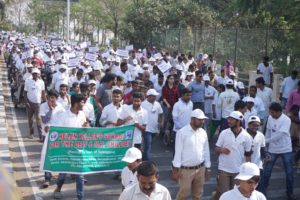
5	158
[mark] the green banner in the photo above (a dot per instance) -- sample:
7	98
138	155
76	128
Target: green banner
86	150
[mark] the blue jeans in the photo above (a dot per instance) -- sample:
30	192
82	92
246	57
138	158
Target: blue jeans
148	137
287	159
79	184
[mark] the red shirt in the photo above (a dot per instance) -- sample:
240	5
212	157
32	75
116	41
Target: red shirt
170	94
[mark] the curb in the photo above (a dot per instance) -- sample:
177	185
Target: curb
5	159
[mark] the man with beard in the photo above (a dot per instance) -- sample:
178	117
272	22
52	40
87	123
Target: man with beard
75	118
233	147
248	179
147	187
191	162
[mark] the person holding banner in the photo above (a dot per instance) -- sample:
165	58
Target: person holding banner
133	158
147	187
74	117
49	110
135	114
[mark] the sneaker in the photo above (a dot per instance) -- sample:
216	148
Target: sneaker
57	194
45	184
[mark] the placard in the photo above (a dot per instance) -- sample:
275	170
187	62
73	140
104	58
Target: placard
91	56
129	47
122	53
163	66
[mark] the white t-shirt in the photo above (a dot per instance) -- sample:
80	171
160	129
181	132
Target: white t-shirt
181	114
267	97
287	86
64	102
217	109
153	111
139	116
89	111
266	72
278	134
69	119
110	113
128	178
134	192
248	114
44	109
209	92
34	90
257	143
226	102
235	194
237	145
59	78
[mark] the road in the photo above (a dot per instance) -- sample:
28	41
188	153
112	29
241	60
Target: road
25	156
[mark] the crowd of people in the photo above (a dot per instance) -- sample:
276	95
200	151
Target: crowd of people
160	92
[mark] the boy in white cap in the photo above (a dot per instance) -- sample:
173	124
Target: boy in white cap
251	111
248	178
133	158
155	120
233	147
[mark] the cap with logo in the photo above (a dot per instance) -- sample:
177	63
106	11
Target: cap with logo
132	154
247	171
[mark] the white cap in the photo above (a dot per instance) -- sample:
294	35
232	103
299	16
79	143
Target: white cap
132	154
116	88
206	78
198	113
134	61
205	56
63	66
29	65
152	92
92	82
240	85
151	59
248	99
236	115
232	73
229	81
253	119
247	171
189	73
36	71
145	65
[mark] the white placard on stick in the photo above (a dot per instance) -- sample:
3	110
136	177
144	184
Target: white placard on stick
83	45
163	66
129	47
93	49
91	56
73	62
122	53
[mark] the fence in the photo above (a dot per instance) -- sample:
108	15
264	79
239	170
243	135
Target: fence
245	47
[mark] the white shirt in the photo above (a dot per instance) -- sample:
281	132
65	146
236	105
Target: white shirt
126	76
128	178
287	86
74	79
27	75
89	111
69	119
266	72
209	92
153	111
267	97
182	114
158	89
217	109
191	148
221	80
235	194
226	102
110	113
259	107
257	143
139	116
59	78
248	114
64	102
134	193
44	109
34	90
237	145
278	134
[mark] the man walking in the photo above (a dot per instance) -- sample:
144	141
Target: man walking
191	162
